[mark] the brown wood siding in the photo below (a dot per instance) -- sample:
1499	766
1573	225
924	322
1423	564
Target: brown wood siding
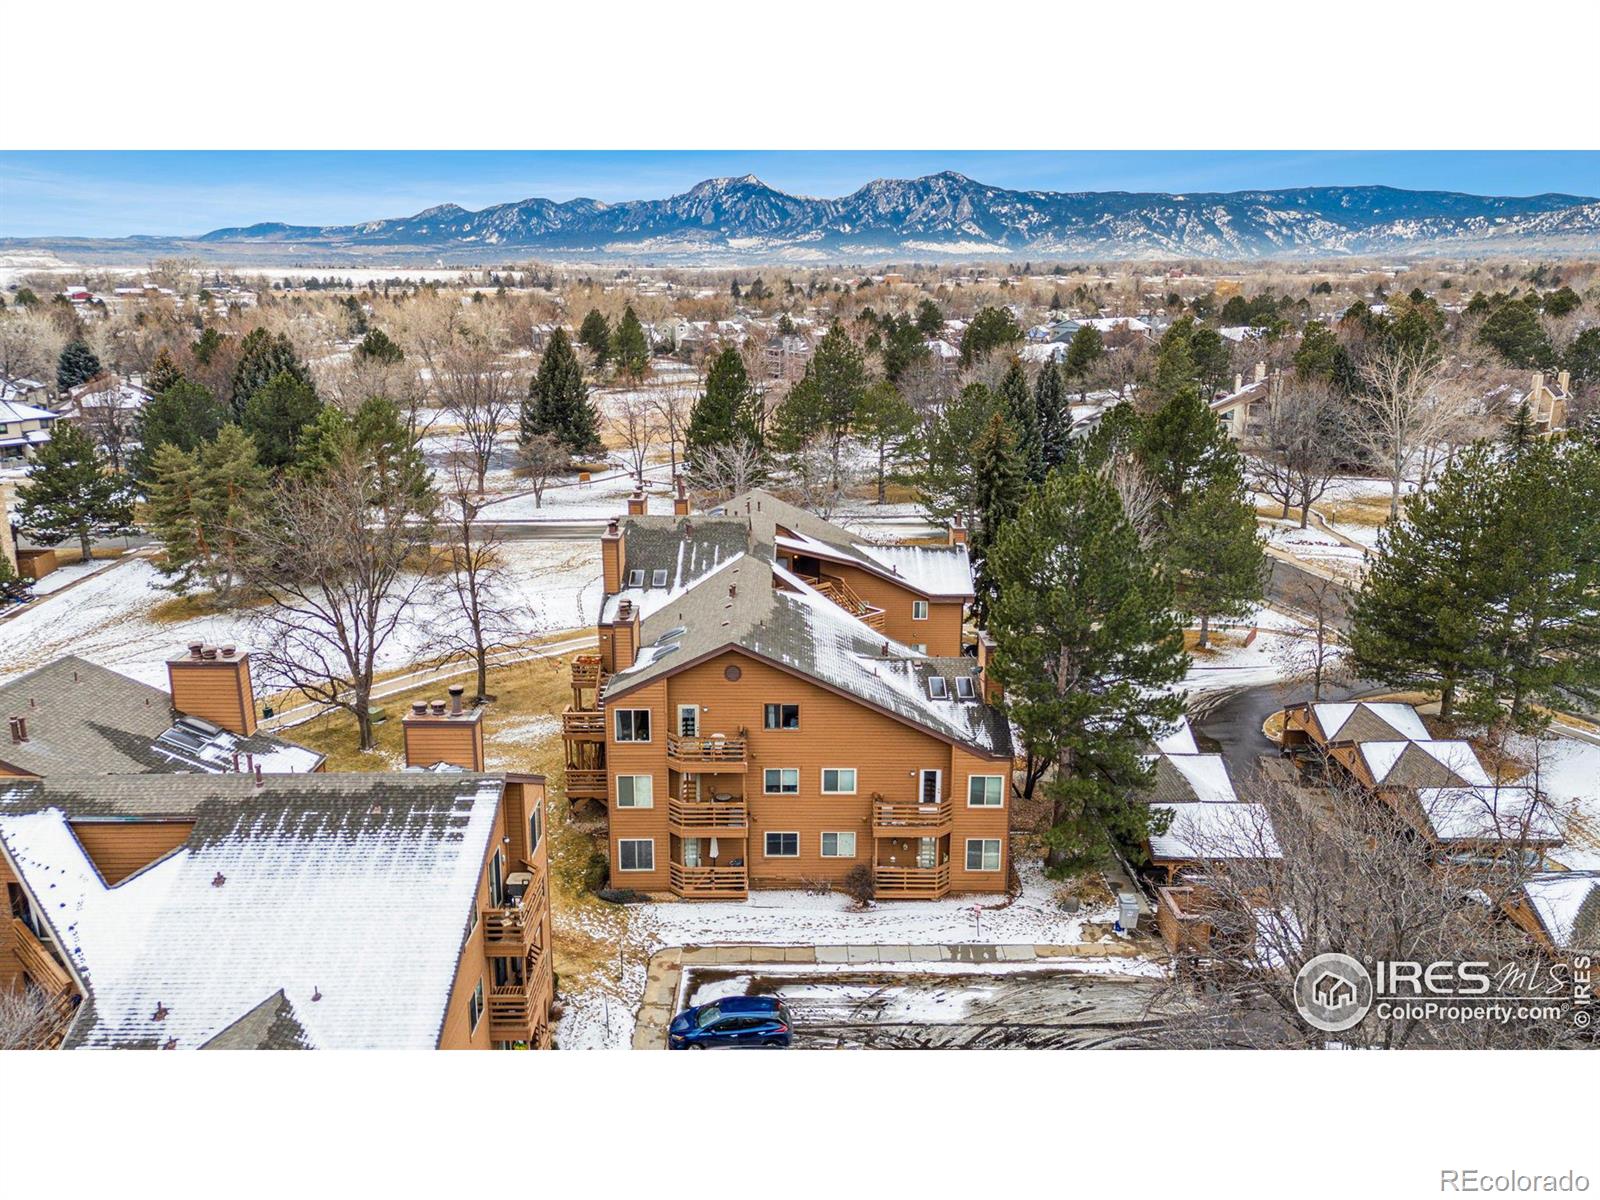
431	740
10	968
119	848
215	690
458	1032
941	632
834	732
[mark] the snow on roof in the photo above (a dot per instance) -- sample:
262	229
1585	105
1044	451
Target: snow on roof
1488	813
936	570
1179	740
15	410
1457	758
352	894
1208	830
1207	775
1401	718
1559	900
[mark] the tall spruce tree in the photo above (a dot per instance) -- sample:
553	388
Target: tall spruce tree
947	484
726	410
263	356
1088	654
1000	471
276	416
823	404
1215	557
1017	397
558	400
632	347
1084	353
184	415
886	423
991	329
76	365
1055	418
71	493
163	374
595	333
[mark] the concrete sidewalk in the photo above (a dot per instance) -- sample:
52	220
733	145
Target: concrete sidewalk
665	971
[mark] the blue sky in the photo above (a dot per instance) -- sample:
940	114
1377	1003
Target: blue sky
116	193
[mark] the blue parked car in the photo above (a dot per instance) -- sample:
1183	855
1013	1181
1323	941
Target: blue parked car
737	1023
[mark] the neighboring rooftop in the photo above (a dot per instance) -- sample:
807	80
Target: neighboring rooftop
328	911
1216	831
1366	721
1567	905
82	719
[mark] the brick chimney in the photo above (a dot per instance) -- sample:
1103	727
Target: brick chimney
624	639
612	557
441	732
213	683
956	535
680	499
636	504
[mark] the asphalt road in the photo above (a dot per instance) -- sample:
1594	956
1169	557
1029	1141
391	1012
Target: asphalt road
1231	720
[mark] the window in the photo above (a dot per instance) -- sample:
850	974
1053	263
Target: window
475	1006
781	716
636	578
497	884
633	724
838	845
936	687
783	845
535	827
920	647
688	720
691	852
658	578
983	854
986	791
635	791
930	791
637	854
839	781
965	688
781	781
919	610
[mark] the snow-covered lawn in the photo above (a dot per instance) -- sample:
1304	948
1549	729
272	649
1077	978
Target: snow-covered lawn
1228	663
1567	770
1317	546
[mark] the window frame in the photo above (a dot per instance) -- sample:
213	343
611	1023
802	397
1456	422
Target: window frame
695	709
766	712
766	791
616	726
766	842
938	688
970	685
636	577
475	1007
636	870
999	854
658	577
923	605
855	782
938	785
1001	803
633	788
836	834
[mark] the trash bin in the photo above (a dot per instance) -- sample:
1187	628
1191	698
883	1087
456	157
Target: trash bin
1127	912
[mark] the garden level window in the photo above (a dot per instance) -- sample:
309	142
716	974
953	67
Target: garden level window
783	845
838	845
919	610
781	716
636	854
635	791
633	724
983	854
838	781
986	791
781	781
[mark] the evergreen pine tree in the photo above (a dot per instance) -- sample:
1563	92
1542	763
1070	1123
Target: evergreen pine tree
276	416
886	423
724	411
184	414
377	346
70	493
263	357
1055	418
1184	448
1017	397
164	373
930	321
558	400
823	404
1084	352
947	483
632	347
76	365
1001	484
992	329
1214	556
595	333
172	515
1088	654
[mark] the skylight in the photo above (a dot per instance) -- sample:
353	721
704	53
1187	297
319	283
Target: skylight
965	690
937	688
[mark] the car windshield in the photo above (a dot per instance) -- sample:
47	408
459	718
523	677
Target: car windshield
707	1016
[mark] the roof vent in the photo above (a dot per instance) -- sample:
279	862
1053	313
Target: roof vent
160	1013
437	706
456	691
218	879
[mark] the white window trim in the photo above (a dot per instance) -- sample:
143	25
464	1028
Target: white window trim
780	792
923	605
771	833
637	741
1000	855
479	1000
822	781
651	784
695	709
636	870
938	785
972	804
822	841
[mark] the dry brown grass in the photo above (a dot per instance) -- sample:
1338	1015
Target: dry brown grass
1360	510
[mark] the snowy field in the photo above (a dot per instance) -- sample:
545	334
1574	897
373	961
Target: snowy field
1228	664
1568	771
110	619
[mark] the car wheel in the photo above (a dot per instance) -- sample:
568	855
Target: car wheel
777	1044
697	1045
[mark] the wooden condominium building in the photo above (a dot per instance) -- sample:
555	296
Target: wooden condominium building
776	702
71	717
309	911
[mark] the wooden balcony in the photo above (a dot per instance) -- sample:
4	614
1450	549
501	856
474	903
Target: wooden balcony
709	883
845	597
517	1009
893	818
513	929
581	725
1184	929
587	672
911	883
55	984
706	755
583	784
709	818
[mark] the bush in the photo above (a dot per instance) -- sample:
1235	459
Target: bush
596	871
858	885
621	896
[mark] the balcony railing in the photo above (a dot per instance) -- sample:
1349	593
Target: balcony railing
708	883
584	784
845	597
515	927
515	1008
706	754
895	818
693	818
587	672
37	960
581	723
911	883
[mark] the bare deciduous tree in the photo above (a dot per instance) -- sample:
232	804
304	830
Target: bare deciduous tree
634	422
540	458
672	405
30	344
1297	446
28	1019
478	391
1312	655
110	421
730	468
1409	408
